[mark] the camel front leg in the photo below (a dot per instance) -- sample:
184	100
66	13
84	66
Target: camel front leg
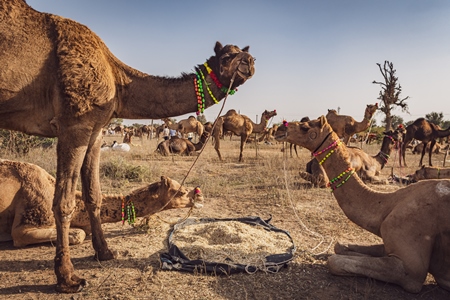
360	250
26	235
90	179
70	154
243	141
433	143
388	269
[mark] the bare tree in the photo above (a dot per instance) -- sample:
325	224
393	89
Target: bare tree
390	92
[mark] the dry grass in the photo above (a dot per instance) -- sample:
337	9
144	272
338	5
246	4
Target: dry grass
265	184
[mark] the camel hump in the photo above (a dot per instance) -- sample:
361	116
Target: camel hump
231	112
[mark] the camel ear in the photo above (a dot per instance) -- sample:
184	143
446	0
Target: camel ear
218	47
245	49
323	120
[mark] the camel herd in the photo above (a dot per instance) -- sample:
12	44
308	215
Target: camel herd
78	86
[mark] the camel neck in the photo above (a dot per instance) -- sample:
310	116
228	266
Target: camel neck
385	152
362	205
153	97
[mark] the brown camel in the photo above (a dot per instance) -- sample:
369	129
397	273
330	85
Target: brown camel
413	221
346	126
26	215
431	173
367	167
190	124
426	132
58	79
240	125
181	146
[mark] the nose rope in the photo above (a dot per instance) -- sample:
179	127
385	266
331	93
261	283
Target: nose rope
200	153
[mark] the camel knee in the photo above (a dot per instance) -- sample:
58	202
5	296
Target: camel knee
76	236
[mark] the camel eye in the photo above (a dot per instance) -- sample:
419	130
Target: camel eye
304	128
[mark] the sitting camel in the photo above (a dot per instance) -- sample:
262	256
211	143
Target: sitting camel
181	146
190	124
419	148
26	215
431	173
240	125
345	126
368	167
413	221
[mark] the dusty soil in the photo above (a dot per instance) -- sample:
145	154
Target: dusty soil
265	184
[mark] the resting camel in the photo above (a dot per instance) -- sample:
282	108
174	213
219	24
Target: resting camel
190	124
431	173
346	126
367	167
240	125
181	146
58	79
424	131
413	221
26	215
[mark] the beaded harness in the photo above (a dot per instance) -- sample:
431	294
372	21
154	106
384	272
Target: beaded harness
128	211
339	180
383	155
199	91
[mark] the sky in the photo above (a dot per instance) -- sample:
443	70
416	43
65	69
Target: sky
311	56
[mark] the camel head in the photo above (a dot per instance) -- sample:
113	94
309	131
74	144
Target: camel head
179	196
310	134
230	60
269	114
419	174
370	110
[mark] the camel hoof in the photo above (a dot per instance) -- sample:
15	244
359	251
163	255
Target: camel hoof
104	255
76	285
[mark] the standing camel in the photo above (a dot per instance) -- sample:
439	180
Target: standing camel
346	126
413	221
424	131
58	79
240	125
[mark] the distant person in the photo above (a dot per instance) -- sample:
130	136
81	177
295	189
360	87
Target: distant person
166	132
173	133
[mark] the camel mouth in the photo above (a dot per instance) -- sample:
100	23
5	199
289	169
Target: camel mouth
280	137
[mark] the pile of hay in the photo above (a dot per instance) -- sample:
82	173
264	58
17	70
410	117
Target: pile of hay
230	242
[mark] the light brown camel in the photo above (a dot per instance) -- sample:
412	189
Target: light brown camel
413	221
346	126
26	215
240	125
190	124
366	166
424	131
181	146
58	79
431	173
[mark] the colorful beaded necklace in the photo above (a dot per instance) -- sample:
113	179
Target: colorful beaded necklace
339	180
129	211
199	91
332	146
